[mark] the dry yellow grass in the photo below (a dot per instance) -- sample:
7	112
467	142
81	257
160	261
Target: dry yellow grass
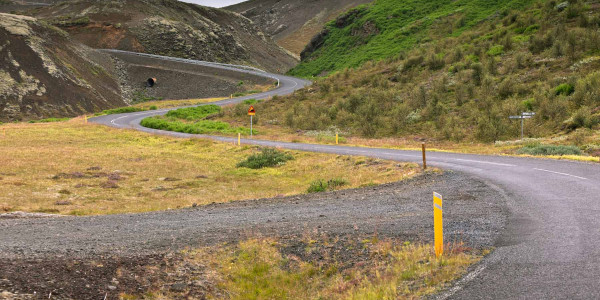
160	104
279	133
86	169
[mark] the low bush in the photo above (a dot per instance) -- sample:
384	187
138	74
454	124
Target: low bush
564	89
267	158
496	50
320	185
549	150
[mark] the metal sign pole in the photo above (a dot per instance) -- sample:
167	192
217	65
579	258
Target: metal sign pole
522	128
251	126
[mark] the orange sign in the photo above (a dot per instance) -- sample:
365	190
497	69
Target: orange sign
251	111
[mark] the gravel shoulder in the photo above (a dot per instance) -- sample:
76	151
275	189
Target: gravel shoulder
475	213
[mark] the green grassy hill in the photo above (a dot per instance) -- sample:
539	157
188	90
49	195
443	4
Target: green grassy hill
461	85
386	27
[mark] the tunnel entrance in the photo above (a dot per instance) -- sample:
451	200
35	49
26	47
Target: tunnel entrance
150	82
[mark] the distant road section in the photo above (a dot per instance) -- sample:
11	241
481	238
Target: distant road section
551	244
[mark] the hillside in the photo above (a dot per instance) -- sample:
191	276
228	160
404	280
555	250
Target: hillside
293	23
168	27
462	84
387	27
44	73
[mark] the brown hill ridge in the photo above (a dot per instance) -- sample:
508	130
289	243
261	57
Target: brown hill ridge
168	27
44	73
293	23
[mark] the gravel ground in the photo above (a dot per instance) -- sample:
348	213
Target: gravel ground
77	257
474	213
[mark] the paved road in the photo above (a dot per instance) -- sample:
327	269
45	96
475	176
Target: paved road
551	245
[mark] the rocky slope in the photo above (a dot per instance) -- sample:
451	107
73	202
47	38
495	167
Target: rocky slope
168	27
293	23
44	73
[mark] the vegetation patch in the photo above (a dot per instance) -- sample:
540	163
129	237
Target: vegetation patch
194	113
267	158
120	110
320	185
324	269
193	120
550	150
449	85
50	120
385	28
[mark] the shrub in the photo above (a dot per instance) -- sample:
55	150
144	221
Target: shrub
317	186
496	50
268	157
153	107
564	89
582	118
550	150
320	185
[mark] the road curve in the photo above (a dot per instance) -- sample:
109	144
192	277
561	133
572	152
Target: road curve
551	245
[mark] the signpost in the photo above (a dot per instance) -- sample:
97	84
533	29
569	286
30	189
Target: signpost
251	113
522	117
438	224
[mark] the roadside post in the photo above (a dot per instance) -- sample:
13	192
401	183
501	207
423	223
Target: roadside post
438	224
239	139
251	113
424	156
85	118
522	117
337	138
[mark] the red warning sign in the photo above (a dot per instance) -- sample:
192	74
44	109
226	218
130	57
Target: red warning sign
251	111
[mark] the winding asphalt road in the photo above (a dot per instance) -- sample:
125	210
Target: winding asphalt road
551	246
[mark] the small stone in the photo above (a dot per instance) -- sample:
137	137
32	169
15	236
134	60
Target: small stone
179	287
195	204
112	287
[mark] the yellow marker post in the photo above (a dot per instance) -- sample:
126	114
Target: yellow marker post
438	224
337	139
85	118
239	139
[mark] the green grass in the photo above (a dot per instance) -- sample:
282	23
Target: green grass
195	113
550	150
320	185
200	127
267	158
50	120
388	27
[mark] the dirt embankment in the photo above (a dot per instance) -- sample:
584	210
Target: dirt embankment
176	80
168	27
293	23
44	73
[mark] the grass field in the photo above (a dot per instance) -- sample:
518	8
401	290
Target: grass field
86	169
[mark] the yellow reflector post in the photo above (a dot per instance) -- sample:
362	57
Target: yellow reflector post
438	224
